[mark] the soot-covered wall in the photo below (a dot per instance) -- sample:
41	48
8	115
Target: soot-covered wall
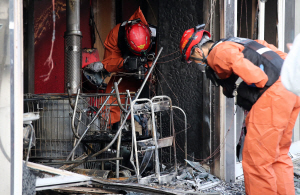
181	81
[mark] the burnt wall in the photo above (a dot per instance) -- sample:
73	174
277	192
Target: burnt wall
244	15
181	81
271	23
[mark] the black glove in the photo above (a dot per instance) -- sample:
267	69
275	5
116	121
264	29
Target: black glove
227	84
132	63
244	103
211	75
247	96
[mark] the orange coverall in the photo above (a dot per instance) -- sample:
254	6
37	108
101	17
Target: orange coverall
268	170
113	58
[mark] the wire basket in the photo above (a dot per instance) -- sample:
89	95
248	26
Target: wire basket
54	136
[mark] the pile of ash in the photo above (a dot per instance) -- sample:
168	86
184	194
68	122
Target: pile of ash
196	179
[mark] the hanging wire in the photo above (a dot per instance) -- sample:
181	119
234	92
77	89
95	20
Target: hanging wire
168	54
99	35
152	11
94	24
168	60
169	86
49	62
222	142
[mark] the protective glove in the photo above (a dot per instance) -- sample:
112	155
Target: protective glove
227	84
247	96
211	75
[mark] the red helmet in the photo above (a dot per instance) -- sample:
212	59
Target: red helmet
190	38
138	37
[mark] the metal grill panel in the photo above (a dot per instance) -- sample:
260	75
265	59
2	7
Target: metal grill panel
54	136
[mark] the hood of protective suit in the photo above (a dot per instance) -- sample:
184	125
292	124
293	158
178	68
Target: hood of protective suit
139	14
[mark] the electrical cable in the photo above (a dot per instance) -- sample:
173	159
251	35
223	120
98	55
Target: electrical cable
99	36
152	11
49	60
168	54
169	60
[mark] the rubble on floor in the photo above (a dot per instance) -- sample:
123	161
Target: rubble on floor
198	180
192	178
238	188
225	188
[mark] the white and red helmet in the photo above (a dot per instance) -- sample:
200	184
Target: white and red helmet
192	37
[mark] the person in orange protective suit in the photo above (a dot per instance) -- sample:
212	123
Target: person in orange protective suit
127	42
251	70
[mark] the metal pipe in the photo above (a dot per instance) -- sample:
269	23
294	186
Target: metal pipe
134	139
64	96
80	161
88	126
170	133
132	147
30	142
105	94
118	97
122	166
73	54
118	155
126	101
74	113
73	17
174	140
110	105
160	127
157	170
75	139
69	96
128	113
118	148
120	135
185	132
